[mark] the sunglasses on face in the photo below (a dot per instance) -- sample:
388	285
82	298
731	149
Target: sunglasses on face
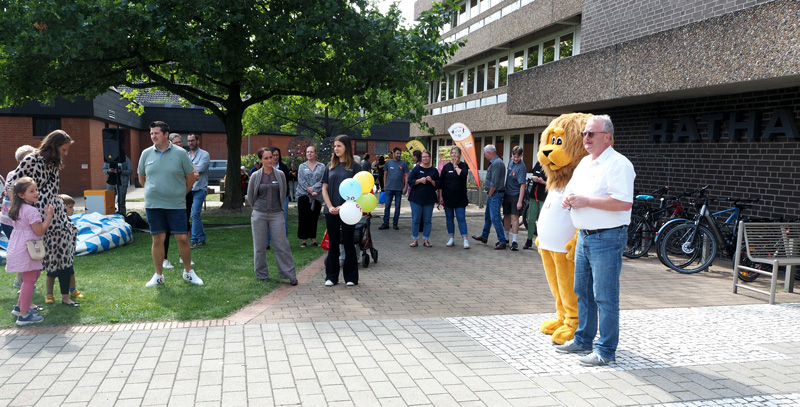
591	134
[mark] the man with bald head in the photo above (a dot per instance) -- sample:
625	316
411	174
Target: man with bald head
494	184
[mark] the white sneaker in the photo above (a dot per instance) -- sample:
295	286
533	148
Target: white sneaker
167	265
328	283
350	284
192	277
466	244
156	280
450	242
181	260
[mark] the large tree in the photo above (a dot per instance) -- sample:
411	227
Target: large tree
224	55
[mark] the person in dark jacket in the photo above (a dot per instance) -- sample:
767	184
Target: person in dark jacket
536	196
453	195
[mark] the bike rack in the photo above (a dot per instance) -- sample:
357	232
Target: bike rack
773	243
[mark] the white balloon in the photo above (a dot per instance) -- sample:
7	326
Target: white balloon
350	212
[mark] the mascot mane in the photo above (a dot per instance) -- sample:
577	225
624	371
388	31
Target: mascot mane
561	148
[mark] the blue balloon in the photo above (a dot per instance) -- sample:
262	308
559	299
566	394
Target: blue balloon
350	189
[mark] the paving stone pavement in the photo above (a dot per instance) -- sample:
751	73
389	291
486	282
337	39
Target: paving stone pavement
428	327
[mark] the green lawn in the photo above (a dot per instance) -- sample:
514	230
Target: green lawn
113	281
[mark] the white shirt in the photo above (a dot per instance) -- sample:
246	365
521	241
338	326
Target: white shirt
611	174
555	225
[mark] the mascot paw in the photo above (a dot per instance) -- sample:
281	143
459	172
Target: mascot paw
570	247
563	334
550	326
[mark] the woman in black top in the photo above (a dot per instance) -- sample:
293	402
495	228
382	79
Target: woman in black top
341	168
423	179
453	195
379	179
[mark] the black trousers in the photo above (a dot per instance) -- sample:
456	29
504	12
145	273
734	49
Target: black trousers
307	218
347	238
63	276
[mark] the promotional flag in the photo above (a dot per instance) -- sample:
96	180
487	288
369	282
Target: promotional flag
415	145
463	139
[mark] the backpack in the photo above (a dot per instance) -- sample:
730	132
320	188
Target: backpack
136	221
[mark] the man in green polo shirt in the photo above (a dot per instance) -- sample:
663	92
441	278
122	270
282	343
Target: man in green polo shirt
167	175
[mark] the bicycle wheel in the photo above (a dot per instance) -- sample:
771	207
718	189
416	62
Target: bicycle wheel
640	237
750	276
660	242
697	248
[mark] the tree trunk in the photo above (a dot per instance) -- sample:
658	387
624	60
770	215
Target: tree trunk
233	129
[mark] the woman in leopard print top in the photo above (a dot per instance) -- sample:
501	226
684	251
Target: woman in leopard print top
44	166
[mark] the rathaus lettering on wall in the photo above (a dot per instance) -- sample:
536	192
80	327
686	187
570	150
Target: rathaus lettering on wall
747	123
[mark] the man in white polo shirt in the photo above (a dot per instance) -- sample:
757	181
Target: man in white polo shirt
599	195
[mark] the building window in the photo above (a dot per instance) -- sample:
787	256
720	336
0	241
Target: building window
470	81
381	148
442	89
519	60
503	72
42	126
530	150
450	86
533	56
462	13
549	51
460	84
565	46
491	75
361	147
480	77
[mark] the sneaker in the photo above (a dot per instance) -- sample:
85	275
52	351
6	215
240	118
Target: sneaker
450	242
50	299
350	284
18	284
181	261
466	244
195	245
395	227
328	283
157	279
33	310
384	226
571	347
167	265
31	318
514	247
593	359
192	277
75	293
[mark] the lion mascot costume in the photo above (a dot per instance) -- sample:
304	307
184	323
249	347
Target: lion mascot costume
560	151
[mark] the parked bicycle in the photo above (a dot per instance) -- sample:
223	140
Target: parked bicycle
646	220
526	202
692	247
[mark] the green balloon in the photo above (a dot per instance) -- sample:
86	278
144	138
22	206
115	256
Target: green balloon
368	202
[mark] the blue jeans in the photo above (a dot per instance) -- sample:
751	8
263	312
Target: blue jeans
461	216
198	231
598	262
422	213
285	220
397	196
493	218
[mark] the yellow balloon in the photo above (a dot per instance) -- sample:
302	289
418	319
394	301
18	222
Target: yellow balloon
368	202
366	180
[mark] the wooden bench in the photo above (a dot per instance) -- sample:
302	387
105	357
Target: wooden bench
771	243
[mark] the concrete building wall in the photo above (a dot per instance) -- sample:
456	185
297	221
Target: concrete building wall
608	22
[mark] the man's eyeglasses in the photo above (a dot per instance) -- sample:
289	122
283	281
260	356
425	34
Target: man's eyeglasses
591	134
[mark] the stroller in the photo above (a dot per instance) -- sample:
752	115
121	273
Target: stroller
363	239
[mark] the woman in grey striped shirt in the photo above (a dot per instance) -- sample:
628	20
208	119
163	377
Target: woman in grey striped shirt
309	197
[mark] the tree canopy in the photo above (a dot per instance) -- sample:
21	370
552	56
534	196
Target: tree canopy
224	55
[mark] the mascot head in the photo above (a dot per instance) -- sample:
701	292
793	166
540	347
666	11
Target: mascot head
561	148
